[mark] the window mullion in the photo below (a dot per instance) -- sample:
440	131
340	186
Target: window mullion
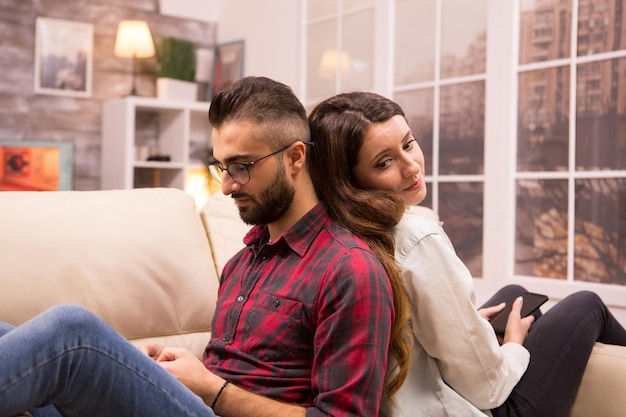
571	186
500	145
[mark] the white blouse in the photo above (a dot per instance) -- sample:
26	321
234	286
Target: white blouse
457	368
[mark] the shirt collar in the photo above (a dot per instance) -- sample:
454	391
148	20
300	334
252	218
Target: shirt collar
298	237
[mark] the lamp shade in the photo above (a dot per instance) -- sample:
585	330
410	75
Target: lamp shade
134	39
330	62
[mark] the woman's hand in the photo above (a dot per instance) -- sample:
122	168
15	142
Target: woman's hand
487	312
516	326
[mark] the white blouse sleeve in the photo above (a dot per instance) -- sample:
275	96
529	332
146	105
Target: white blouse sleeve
445	320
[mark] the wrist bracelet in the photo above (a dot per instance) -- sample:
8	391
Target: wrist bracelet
226	382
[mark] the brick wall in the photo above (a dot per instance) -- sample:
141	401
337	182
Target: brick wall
25	115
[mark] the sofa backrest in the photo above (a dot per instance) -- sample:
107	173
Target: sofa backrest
225	229
139	259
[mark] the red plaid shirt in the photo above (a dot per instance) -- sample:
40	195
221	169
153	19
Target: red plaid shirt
306	319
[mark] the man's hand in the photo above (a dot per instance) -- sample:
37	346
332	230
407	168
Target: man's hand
152	349
234	401
516	326
189	370
185	367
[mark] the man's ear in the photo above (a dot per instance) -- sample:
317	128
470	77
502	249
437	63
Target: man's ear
297	156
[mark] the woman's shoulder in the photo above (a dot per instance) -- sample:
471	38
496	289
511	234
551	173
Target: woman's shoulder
419	220
416	224
424	212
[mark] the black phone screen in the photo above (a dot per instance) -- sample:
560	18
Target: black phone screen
532	302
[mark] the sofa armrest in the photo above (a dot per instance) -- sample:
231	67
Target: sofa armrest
603	388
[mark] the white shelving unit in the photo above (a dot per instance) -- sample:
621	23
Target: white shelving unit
133	125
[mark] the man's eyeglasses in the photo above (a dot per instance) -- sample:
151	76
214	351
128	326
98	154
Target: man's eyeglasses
240	171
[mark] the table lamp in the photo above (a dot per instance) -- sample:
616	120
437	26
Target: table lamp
134	41
331	60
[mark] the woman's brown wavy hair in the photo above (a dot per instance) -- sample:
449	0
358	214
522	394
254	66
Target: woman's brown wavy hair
338	128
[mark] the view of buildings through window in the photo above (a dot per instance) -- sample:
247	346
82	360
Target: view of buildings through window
571	154
439	80
569	172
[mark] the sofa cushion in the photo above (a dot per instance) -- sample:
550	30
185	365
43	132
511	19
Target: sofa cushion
139	259
225	229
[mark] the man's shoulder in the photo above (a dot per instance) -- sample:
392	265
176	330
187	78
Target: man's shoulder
345	238
330	231
350	250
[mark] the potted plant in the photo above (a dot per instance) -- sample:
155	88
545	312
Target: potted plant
177	69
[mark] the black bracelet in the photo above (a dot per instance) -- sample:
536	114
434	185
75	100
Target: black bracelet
226	382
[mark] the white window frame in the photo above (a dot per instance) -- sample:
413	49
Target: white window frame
500	146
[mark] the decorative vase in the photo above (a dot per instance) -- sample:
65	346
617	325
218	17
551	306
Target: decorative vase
172	89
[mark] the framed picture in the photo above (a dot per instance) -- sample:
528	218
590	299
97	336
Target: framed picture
63	57
227	65
36	165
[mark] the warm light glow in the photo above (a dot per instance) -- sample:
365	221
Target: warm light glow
330	60
200	185
134	39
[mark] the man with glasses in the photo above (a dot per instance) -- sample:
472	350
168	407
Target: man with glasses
304	312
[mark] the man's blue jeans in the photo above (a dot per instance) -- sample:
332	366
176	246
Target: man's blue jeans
68	358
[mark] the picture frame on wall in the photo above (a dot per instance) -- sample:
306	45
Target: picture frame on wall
228	60
34	165
63	57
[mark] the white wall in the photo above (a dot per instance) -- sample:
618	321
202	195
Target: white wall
271	30
206	10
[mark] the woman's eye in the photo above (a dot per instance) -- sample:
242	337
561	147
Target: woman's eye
409	144
383	164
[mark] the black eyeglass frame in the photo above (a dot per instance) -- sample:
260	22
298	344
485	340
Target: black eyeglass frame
217	170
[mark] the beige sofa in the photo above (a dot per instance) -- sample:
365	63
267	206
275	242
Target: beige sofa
147	262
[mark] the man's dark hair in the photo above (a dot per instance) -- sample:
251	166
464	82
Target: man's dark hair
264	102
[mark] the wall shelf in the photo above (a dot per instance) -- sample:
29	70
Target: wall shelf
135	127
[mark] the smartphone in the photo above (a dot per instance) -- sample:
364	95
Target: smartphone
532	302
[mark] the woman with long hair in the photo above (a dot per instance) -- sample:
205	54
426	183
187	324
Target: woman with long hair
365	151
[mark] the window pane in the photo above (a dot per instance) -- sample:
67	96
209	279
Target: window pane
545	28
541	228
317	8
321	68
600	243
600	115
543	121
463	37
428	200
358	43
414	41
349	4
461	210
600	26
462	128
418	109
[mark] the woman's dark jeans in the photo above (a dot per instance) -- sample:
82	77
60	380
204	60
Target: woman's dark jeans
560	343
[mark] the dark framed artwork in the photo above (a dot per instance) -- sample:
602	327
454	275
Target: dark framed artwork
63	57
228	61
36	165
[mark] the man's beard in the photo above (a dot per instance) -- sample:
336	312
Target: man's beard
272	203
